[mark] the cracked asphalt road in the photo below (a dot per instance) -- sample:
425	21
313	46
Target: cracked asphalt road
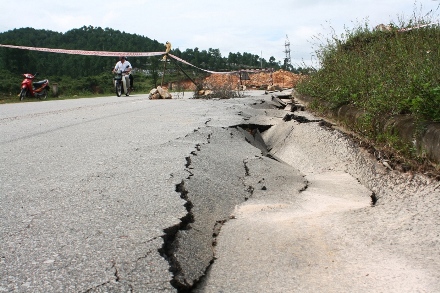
328	237
135	195
89	186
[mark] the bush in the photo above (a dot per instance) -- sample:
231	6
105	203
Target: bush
382	72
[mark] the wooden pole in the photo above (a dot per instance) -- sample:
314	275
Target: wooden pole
164	68
175	62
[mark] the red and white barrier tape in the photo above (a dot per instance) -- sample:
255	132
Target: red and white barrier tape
86	53
116	54
216	72
187	63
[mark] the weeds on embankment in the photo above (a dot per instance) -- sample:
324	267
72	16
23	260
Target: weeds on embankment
382	72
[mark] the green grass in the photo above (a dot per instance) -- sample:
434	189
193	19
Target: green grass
382	73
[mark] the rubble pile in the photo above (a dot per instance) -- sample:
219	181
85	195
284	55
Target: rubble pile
159	93
286	79
259	80
221	80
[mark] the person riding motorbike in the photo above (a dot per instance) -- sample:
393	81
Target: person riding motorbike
124	66
130	76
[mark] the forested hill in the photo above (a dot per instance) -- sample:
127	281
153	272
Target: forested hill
92	38
86	38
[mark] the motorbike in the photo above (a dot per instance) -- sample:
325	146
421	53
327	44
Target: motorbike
29	88
119	83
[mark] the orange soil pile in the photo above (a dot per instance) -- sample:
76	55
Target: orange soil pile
259	80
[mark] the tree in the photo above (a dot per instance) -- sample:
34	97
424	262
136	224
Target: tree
58	66
272	61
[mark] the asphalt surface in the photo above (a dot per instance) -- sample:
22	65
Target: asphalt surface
136	195
93	190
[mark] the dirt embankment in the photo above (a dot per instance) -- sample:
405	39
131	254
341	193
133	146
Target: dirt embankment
424	139
257	80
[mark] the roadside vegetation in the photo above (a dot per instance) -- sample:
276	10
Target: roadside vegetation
382	72
68	87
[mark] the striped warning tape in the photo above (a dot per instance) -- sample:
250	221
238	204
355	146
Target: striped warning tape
187	63
86	53
116	54
228	72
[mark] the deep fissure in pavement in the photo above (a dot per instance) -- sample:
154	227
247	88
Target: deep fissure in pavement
168	247
175	248
373	199
299	119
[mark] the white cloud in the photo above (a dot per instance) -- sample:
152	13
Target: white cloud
256	27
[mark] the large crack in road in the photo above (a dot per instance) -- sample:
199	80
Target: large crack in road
319	208
211	195
214	186
218	180
87	211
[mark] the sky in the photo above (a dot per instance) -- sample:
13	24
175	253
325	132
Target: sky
259	27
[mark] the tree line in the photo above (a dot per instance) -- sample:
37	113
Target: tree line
17	61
